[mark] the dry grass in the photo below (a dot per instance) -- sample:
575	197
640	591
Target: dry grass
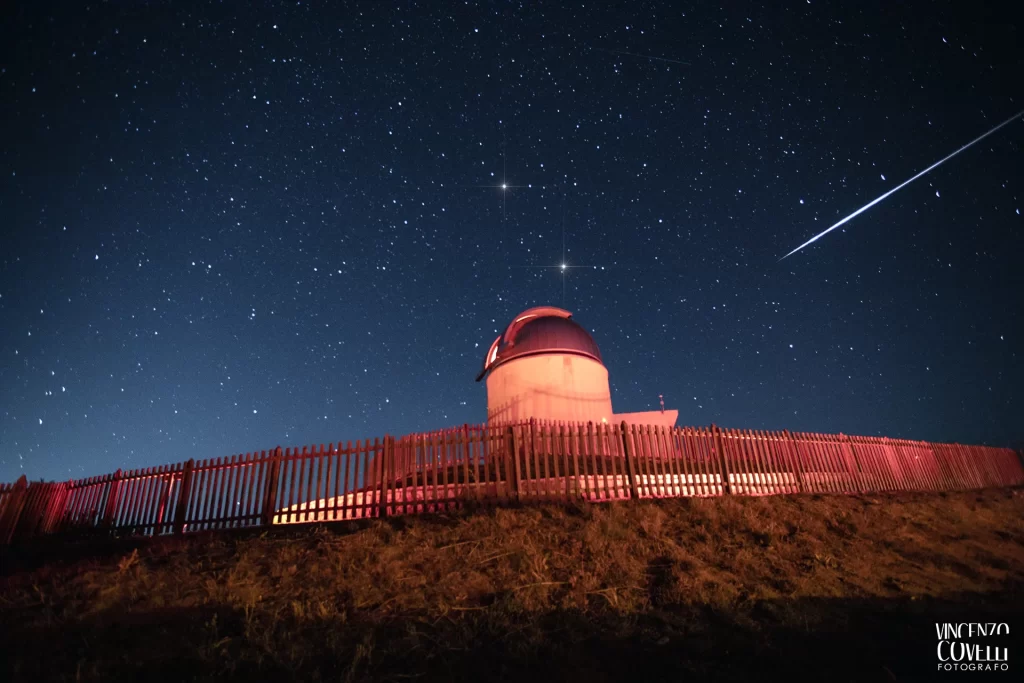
718	588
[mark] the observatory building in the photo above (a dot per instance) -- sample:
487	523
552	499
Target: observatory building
546	366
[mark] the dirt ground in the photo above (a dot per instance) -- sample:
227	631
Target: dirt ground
823	587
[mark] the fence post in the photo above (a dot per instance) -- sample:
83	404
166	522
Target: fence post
719	446
110	508
467	471
535	485
387	455
513	473
181	507
270	490
627	449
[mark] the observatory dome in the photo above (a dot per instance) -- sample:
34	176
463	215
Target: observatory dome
546	366
541	330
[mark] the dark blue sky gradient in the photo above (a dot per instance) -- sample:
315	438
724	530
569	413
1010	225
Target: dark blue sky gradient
231	226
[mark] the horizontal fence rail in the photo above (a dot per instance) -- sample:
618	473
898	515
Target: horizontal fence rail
491	464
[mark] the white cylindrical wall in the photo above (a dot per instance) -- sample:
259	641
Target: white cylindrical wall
549	387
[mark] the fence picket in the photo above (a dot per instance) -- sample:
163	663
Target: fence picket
760	474
769	468
827	482
671	480
698	461
132	499
466	452
254	463
151	500
605	489
761	463
224	511
692	460
341	487
145	498
643	460
657	460
98	491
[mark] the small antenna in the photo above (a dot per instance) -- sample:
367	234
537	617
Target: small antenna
661	400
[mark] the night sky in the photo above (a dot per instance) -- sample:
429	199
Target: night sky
229	226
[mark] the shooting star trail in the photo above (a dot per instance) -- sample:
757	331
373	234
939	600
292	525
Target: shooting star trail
639	56
902	185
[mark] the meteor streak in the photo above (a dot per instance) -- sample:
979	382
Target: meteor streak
635	54
903	184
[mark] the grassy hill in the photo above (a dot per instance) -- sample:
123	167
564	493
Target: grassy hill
726	589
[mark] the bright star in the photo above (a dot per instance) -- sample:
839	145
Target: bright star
504	186
564	266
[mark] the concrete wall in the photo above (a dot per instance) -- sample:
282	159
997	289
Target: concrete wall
549	387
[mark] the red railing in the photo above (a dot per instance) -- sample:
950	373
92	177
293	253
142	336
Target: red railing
491	464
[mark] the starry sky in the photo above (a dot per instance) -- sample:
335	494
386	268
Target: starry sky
228	226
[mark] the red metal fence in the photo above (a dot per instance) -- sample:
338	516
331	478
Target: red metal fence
491	464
